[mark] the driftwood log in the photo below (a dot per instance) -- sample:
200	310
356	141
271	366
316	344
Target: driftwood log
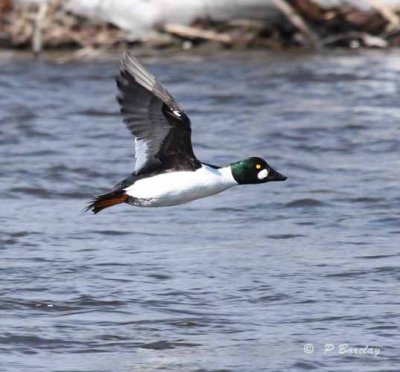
168	23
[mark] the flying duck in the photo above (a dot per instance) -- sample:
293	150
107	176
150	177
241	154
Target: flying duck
166	171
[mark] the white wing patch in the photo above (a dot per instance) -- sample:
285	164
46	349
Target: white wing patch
140	154
177	113
262	174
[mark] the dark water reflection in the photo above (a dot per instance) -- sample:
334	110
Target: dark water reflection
237	282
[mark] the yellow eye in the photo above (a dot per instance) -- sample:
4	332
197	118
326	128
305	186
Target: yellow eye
258	166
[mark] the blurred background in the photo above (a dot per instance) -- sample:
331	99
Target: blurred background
171	24
292	276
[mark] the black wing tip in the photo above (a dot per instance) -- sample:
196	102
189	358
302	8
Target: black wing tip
127	59
126	56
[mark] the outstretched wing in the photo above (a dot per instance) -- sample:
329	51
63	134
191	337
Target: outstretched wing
160	126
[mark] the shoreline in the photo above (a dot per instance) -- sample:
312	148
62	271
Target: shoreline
113	55
299	26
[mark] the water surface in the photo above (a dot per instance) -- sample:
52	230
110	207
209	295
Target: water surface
237	282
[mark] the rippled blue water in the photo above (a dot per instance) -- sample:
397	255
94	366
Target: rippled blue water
237	282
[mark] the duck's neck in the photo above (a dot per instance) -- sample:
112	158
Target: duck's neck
221	175
226	173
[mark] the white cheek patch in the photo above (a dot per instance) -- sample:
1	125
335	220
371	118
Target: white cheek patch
262	174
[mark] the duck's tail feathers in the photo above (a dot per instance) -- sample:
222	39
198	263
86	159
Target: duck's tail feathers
107	200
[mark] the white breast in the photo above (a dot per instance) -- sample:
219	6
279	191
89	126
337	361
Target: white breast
180	187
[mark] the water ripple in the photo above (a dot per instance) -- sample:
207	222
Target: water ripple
236	282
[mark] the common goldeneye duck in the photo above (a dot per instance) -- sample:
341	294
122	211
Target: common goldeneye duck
166	170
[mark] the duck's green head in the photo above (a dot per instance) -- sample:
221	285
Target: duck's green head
254	170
